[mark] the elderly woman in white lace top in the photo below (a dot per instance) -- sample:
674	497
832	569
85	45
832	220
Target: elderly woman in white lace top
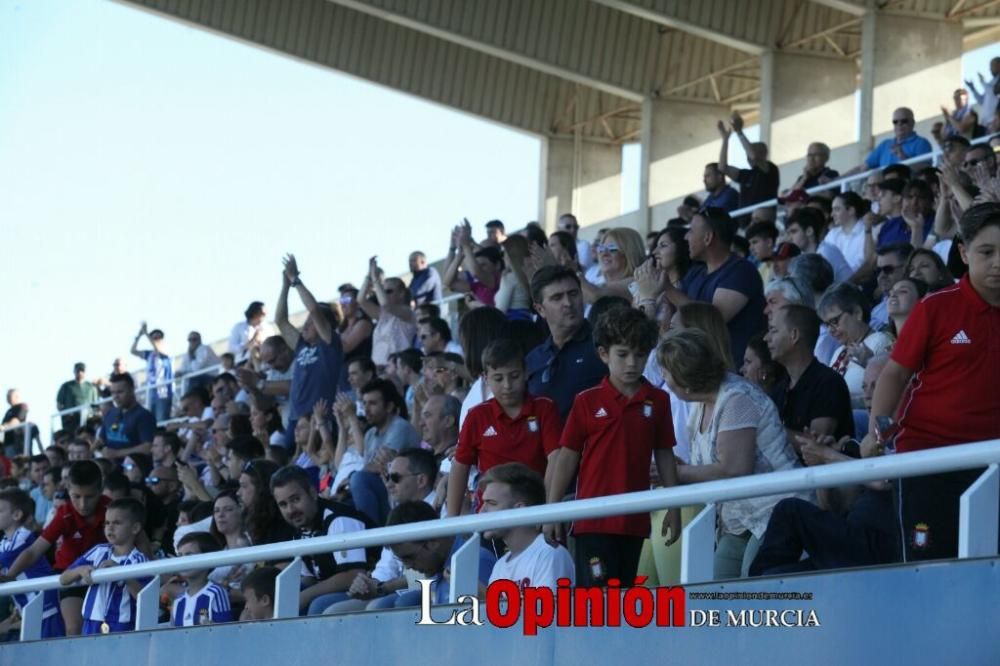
735	430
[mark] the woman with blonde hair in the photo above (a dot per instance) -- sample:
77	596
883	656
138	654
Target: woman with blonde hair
619	254
735	430
514	296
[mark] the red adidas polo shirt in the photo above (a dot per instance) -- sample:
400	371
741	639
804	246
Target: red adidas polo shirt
951	341
489	437
78	534
616	437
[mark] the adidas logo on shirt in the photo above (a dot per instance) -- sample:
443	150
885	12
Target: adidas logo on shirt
77	535
961	339
490	432
601	413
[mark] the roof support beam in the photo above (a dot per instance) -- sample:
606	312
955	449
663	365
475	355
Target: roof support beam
665	19
509	55
846	6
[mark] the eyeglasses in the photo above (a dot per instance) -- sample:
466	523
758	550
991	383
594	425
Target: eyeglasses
395	477
886	270
153	480
610	248
835	321
902	121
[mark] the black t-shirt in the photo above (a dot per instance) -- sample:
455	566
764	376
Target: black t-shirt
813	181
757	186
336	518
820	392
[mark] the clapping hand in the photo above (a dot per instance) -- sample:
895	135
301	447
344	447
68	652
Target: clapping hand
343	406
724	131
650	279
291	268
737	122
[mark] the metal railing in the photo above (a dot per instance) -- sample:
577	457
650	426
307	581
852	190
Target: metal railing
843	184
978	527
140	390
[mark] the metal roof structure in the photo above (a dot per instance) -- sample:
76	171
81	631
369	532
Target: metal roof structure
559	68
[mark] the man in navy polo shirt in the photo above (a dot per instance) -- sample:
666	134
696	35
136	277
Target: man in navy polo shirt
129	427
318	352
567	362
722	278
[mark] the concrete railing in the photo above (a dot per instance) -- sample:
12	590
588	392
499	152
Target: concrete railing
977	528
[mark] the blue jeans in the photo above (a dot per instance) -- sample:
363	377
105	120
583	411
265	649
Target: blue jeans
369	496
160	408
324	601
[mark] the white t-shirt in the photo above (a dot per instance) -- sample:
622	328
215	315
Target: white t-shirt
538	565
851	244
478	394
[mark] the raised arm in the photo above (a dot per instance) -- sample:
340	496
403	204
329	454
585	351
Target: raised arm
469	259
351	434
135	343
724	167
288	332
323	327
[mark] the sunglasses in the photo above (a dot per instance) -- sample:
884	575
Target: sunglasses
396	477
887	270
903	121
128	467
610	248
153	480
968	164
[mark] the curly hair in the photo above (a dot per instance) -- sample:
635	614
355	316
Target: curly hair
625	326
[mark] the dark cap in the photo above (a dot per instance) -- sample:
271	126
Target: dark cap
81	366
785	250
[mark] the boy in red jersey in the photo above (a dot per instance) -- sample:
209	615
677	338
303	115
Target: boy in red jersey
941	384
512	426
611	432
80	525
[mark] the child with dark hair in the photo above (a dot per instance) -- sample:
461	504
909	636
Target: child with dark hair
512	426
16	512
258	589
203	601
110	607
612	432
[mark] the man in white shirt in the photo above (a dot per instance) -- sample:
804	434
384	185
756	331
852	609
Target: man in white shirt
530	560
249	333
198	357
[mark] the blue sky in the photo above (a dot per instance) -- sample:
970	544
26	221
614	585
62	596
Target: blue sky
153	171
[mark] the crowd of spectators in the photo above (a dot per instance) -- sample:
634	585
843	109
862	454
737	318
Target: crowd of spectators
818	328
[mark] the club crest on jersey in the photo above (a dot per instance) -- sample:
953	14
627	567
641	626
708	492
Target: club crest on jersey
532	424
647	409
921	535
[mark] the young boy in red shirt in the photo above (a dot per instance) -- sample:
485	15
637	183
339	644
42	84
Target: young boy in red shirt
610	434
512	426
941	384
80	525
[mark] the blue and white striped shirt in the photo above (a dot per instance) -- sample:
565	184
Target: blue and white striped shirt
109	602
209	604
10	548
